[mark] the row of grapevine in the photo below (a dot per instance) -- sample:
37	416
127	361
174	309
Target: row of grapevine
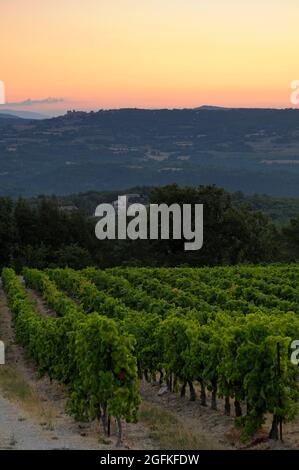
132	295
237	294
232	354
89	353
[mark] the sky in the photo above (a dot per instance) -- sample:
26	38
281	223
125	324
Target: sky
91	54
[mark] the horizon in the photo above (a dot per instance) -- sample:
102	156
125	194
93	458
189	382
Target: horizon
43	114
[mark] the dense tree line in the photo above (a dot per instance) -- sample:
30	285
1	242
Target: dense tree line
43	234
279	209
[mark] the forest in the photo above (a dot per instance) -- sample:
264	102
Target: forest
40	233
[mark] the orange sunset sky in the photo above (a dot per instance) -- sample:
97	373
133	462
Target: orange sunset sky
148	53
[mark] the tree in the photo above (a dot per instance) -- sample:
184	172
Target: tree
7	232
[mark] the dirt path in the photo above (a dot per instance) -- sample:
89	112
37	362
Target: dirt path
40	305
19	431
32	408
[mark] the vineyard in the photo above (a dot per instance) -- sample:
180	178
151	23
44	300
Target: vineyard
223	333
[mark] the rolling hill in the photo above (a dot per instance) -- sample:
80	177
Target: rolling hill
253	150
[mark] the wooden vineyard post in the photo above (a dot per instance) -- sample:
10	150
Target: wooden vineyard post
280	403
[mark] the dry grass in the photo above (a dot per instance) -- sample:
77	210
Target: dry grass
16	388
14	385
168	431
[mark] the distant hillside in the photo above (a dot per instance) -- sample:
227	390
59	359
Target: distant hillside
8	117
280	210
253	150
22	114
211	108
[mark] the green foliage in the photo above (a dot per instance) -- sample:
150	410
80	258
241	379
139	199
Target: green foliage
89	353
43	233
228	328
222	329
